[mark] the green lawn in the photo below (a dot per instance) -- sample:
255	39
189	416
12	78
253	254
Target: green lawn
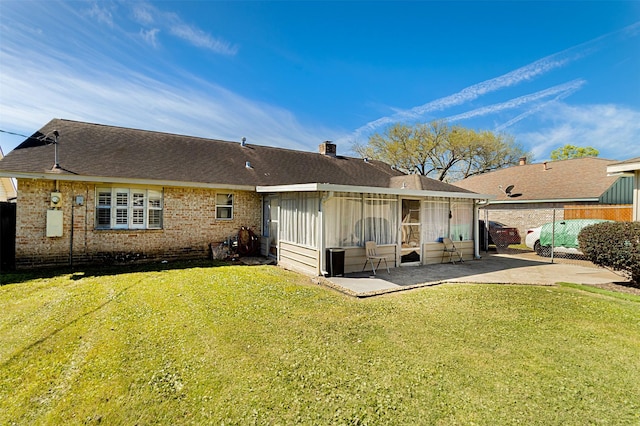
259	345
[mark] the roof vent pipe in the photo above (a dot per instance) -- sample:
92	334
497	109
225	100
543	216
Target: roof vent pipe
247	164
545	166
523	161
244	142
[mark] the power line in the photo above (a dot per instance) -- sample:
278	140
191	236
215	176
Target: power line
12	133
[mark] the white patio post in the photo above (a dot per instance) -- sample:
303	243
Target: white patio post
321	232
476	230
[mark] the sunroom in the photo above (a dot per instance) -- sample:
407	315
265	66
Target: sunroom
303	224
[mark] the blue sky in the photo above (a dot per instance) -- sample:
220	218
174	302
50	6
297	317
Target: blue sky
294	74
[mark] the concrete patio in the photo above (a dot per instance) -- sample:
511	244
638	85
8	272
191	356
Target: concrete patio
490	269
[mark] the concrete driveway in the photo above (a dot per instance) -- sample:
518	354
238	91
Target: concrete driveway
491	269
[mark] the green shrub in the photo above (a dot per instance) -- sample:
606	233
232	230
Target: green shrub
615	245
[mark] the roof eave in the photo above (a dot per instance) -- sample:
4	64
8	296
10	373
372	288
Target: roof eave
623	168
125	181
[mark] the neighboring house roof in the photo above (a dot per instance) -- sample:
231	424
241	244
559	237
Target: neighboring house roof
116	154
580	179
7	187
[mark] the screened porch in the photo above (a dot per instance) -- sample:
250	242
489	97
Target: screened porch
407	227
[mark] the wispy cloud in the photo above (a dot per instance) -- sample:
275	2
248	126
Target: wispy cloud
557	92
609	128
473	92
143	13
101	14
150	36
154	20
107	82
520	75
200	38
189	107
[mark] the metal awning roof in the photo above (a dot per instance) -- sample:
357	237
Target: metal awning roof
326	187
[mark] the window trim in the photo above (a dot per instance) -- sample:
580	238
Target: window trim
125	204
230	207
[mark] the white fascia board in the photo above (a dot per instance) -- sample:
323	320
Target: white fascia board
623	168
301	187
127	181
9	185
621	174
316	187
559	200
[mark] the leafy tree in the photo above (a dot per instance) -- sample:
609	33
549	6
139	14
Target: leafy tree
441	151
571	151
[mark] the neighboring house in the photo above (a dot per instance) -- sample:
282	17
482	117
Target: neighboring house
7	187
120	194
630	168
525	192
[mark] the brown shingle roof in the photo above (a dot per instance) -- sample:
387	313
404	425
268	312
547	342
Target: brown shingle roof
423	183
114	152
581	178
96	150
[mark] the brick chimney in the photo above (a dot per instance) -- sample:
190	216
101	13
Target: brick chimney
328	148
523	161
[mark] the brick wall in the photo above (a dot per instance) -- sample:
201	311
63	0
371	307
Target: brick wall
189	226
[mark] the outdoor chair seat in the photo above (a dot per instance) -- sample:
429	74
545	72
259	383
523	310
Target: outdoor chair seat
371	249
451	250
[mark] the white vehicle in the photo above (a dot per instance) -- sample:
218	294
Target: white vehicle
563	235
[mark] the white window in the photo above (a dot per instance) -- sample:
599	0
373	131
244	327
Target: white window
154	209
137	208
127	208
122	208
351	219
103	208
224	206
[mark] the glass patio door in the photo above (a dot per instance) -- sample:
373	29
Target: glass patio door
410	249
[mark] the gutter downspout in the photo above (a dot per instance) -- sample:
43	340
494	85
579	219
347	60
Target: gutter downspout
71	232
636	197
321	243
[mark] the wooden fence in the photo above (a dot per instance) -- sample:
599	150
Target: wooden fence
619	213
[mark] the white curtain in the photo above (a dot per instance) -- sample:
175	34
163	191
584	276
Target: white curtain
351	219
341	214
435	219
381	221
461	220
299	219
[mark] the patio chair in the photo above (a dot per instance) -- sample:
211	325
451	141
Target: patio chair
371	249
451	250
